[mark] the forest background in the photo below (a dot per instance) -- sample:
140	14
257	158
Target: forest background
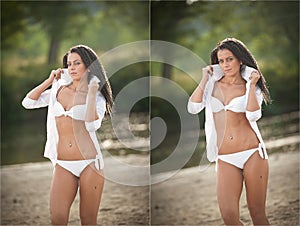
35	35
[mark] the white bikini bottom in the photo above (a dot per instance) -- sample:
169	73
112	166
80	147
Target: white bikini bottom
77	166
239	159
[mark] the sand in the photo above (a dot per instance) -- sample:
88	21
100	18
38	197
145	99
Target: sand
188	198
25	197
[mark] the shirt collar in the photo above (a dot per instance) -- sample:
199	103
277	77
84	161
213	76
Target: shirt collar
245	73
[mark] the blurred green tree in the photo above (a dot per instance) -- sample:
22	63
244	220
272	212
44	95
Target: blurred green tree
12	23
171	21
59	19
134	16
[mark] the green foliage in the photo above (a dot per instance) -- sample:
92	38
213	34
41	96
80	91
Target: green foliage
58	18
133	15
12	23
124	77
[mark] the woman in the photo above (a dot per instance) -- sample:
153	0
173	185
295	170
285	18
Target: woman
232	90
75	111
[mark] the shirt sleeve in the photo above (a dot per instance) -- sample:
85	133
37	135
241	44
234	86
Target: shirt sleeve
101	108
256	115
194	107
42	101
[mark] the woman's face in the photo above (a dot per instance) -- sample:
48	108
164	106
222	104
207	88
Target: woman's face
228	62
76	67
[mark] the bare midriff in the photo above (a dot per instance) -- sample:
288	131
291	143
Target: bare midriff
234	133
74	141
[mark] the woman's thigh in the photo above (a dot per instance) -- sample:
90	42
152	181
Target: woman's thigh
91	187
63	191
229	188
256	173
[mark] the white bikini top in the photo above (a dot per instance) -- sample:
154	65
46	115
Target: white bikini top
237	104
76	112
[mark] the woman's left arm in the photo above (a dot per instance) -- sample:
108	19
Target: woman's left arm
96	107
252	104
253	108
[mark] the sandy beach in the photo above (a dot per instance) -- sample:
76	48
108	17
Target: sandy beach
25	196
188	198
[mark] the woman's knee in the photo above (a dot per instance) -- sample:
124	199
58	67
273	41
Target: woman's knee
230	216
87	218
257	213
59	217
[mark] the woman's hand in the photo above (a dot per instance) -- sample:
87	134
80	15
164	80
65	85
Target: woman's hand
55	74
197	95
206	72
254	77
35	93
93	87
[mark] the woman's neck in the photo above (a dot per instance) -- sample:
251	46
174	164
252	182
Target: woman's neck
236	79
80	85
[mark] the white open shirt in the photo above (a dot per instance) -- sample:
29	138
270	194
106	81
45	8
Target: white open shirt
210	130
48	98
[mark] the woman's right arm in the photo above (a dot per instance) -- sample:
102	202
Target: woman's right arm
39	96
195	104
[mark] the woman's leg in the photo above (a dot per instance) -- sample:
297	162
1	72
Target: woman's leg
91	187
63	191
256	172
229	189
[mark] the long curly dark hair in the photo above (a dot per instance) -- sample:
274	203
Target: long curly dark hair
95	68
240	51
